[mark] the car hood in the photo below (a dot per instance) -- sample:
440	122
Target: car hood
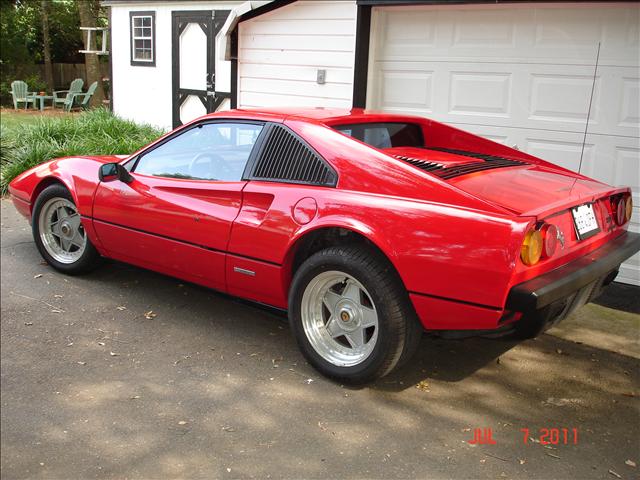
519	186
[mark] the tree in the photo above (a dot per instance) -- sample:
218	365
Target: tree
89	10
46	40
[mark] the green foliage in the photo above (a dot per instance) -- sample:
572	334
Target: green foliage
21	31
96	132
21	42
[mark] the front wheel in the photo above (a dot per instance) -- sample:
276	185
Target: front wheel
59	233
351	315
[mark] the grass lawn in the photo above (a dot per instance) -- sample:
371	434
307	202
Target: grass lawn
30	138
10	118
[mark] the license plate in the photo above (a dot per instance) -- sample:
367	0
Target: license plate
585	221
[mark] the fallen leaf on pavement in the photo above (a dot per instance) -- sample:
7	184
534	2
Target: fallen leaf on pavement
631	463
81	363
101	344
614	474
552	455
182	422
114	354
309	381
135	397
522	461
70	344
228	428
562	402
149	315
423	385
37	276
28	324
121	307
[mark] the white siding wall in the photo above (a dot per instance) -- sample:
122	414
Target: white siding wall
280	53
143	94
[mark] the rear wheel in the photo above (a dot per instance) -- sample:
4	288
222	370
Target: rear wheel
59	234
350	314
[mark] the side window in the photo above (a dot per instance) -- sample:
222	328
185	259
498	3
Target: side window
210	151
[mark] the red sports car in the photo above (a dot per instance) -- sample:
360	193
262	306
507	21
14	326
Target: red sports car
369	228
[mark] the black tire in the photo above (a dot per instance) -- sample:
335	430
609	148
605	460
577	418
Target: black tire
90	258
399	329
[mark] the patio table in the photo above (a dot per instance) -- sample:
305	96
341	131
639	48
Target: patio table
41	99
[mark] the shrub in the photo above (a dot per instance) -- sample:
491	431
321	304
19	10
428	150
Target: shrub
97	132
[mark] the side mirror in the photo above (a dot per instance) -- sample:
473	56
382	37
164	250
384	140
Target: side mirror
114	171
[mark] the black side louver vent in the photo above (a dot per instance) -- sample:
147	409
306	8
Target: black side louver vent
422	164
286	158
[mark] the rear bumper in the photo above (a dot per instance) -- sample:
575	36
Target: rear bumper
565	281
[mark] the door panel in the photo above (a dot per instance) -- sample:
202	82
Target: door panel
179	225
181	260
175	214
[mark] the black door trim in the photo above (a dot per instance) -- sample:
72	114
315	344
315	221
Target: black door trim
361	62
211	21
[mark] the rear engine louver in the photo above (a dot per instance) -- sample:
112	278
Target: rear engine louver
490	162
422	164
286	158
467	168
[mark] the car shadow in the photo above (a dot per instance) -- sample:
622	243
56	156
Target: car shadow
448	360
620	296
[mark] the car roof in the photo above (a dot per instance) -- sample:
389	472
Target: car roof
330	116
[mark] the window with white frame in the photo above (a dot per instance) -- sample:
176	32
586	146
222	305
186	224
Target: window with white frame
143	38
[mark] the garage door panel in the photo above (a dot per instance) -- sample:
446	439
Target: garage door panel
616	161
556	34
617	107
562	98
565	150
477	93
392	86
555	147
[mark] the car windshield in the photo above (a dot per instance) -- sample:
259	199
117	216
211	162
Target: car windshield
385	135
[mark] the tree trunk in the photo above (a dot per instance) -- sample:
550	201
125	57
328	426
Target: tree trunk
89	10
46	43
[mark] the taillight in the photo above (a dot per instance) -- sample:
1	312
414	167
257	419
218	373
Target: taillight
531	249
549	240
629	209
623	208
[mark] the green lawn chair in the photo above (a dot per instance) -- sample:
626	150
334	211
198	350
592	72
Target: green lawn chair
82	99
64	97
20	94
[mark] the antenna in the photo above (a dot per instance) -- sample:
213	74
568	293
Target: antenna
586	126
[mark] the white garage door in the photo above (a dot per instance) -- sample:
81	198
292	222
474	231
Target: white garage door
521	76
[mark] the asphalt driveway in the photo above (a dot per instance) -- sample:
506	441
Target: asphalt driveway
124	373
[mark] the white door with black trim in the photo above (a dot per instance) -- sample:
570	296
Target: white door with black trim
193	63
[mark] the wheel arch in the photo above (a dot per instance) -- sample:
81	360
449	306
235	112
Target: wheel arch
47	182
321	236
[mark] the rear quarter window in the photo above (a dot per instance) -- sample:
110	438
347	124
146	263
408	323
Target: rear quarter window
385	135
